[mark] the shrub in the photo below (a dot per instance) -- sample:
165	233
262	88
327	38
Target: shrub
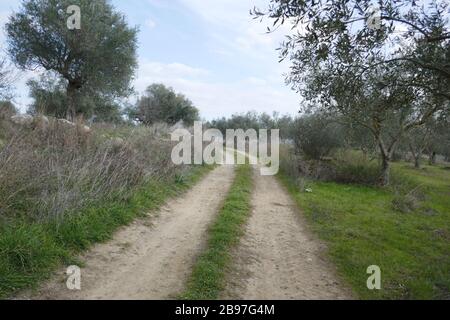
290	165
405	203
45	175
354	167
7	110
289	161
345	167
316	137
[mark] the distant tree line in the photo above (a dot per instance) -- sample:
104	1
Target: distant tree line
320	135
257	121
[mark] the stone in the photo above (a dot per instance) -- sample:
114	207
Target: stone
22	120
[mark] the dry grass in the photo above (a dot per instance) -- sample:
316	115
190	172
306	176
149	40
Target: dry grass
47	173
63	189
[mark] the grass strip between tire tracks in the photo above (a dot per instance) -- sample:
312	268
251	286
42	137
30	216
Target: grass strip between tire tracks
207	278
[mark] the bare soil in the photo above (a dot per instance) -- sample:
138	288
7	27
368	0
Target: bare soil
278	258
152	258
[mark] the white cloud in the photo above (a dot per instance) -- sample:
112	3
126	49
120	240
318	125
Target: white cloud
151	69
159	3
150	23
216	99
226	13
234	17
234	33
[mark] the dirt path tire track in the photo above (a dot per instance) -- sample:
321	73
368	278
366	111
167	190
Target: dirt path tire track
278	258
152	258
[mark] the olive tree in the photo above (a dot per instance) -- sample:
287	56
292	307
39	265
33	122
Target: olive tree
316	136
6	79
100	56
50	98
380	64
161	104
375	101
438	142
417	141
418	32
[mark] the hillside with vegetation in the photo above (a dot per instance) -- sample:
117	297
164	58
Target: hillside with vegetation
87	177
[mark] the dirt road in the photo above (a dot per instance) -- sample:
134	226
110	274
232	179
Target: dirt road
152	258
278	258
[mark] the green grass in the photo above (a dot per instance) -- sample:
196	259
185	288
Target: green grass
362	228
207	278
29	252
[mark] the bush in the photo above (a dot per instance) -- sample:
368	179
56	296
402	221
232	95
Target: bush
353	167
405	203
48	174
7	110
345	167
289	162
290	165
316	137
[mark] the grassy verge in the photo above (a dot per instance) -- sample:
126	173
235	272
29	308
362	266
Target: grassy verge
30	252
207	279
363	228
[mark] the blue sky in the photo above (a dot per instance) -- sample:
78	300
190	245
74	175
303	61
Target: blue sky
211	51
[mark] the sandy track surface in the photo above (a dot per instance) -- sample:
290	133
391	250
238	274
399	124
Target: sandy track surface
278	258
152	258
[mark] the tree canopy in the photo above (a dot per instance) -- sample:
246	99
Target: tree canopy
100	56
50	98
6	79
161	104
382	65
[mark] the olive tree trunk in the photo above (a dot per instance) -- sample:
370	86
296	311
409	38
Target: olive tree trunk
71	101
416	155
386	157
432	158
385	170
